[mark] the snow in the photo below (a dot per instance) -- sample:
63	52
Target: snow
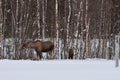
90	69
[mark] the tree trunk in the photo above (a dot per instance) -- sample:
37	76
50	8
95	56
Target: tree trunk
117	47
38	16
87	24
67	28
57	29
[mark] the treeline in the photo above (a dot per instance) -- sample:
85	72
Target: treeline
90	28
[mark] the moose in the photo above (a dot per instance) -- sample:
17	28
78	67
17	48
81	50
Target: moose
71	53
39	46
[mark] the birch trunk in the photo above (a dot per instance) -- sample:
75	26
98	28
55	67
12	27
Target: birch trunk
100	30
87	24
82	43
43	18
1	29
57	29
38	17
68	25
76	32
117	47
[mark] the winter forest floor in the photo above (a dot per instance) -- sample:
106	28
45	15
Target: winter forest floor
90	69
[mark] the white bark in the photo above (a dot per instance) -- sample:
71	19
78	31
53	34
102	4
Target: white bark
82	48
68	22
117	47
76	32
43	18
0	20
57	28
38	16
87	24
67	45
0	29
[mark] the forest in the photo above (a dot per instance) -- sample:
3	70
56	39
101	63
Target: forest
90	28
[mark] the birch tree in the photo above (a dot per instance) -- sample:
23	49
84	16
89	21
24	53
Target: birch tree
77	28
67	27
44	2
87	24
38	17
117	47
1	29
57	28
4	26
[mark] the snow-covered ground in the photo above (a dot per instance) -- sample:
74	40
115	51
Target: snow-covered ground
90	69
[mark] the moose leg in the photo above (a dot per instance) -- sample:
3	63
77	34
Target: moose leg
39	55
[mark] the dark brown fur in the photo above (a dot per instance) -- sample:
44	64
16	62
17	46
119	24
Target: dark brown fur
71	54
39	46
